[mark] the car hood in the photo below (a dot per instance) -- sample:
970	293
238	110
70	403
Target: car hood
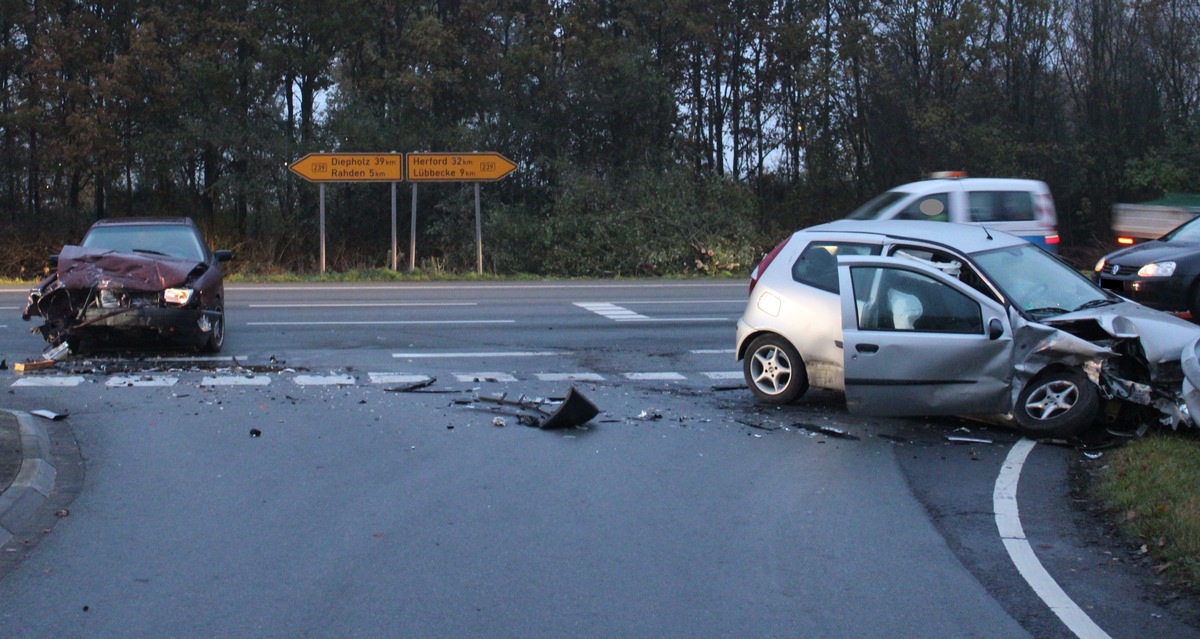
81	267
1162	336
1148	252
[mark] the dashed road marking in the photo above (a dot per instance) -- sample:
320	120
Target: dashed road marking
385	323
485	377
611	311
479	354
655	377
63	381
569	377
397	378
234	380
714	351
324	380
364	304
724	375
140	380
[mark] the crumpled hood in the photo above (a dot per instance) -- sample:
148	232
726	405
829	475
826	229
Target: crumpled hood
80	267
1163	336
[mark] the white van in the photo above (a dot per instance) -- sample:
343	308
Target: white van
1021	207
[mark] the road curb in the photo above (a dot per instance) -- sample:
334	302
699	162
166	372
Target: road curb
34	481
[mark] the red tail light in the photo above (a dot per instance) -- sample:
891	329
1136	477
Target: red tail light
1052	239
766	261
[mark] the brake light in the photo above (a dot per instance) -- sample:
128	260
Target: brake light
1052	239
1127	241
766	261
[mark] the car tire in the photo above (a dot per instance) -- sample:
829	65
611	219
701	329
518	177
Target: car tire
1059	404
774	370
216	337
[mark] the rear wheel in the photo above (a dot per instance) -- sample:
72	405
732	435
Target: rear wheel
1061	403
774	371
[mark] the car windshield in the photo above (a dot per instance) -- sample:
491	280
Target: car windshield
871	210
1039	284
148	239
1189	232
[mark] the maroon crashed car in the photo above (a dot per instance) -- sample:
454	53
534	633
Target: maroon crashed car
134	278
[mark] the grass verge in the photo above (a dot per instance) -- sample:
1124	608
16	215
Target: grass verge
1153	486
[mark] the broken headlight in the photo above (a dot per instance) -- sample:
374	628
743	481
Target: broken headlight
178	296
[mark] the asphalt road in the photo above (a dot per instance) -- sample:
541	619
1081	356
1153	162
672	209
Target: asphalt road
683	509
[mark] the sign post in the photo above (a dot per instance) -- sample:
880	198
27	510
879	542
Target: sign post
351	167
458	167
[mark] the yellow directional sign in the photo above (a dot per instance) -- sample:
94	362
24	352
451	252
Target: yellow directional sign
350	167
458	167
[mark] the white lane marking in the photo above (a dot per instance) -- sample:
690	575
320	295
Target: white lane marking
714	351
738	302
590	286
724	375
611	311
140	380
622	314
363	304
569	377
659	377
383	323
485	377
397	378
57	381
1008	523
324	380
234	380
479	354
201	358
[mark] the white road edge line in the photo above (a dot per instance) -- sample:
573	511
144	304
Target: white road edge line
363	304
1008	523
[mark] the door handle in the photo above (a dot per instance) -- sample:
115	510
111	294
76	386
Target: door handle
867	348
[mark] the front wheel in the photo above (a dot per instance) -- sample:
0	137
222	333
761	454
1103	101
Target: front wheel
774	371
1061	404
216	335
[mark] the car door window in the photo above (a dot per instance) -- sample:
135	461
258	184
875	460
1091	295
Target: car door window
935	207
899	300
948	263
1000	206
817	264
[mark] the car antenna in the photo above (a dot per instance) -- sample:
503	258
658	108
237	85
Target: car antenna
986	232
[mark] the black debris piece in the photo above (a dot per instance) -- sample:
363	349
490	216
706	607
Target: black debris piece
254	432
826	430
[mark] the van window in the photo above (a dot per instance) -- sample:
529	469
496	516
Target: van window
1001	206
817	264
935	207
877	205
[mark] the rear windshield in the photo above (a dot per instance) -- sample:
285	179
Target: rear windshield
872	209
147	239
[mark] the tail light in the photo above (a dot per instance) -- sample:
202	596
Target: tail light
1125	241
766	261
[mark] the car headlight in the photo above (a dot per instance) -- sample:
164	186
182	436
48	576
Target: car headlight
1100	265
179	296
1157	269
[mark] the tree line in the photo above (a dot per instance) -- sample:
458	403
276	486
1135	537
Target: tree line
653	136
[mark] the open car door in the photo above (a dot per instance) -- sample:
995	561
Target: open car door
919	342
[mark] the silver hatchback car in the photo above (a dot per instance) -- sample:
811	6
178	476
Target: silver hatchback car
931	318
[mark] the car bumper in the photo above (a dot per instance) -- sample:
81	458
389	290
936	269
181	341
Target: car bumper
176	324
1164	294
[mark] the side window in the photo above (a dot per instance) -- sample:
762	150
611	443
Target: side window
935	207
1001	206
891	299
947	263
817	264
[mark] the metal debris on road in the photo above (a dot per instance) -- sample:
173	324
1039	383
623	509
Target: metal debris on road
50	415
826	430
967	440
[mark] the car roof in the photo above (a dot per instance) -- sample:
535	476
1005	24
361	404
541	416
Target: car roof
123	221
968	238
974	184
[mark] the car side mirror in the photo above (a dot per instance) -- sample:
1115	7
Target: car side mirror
223	255
995	329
